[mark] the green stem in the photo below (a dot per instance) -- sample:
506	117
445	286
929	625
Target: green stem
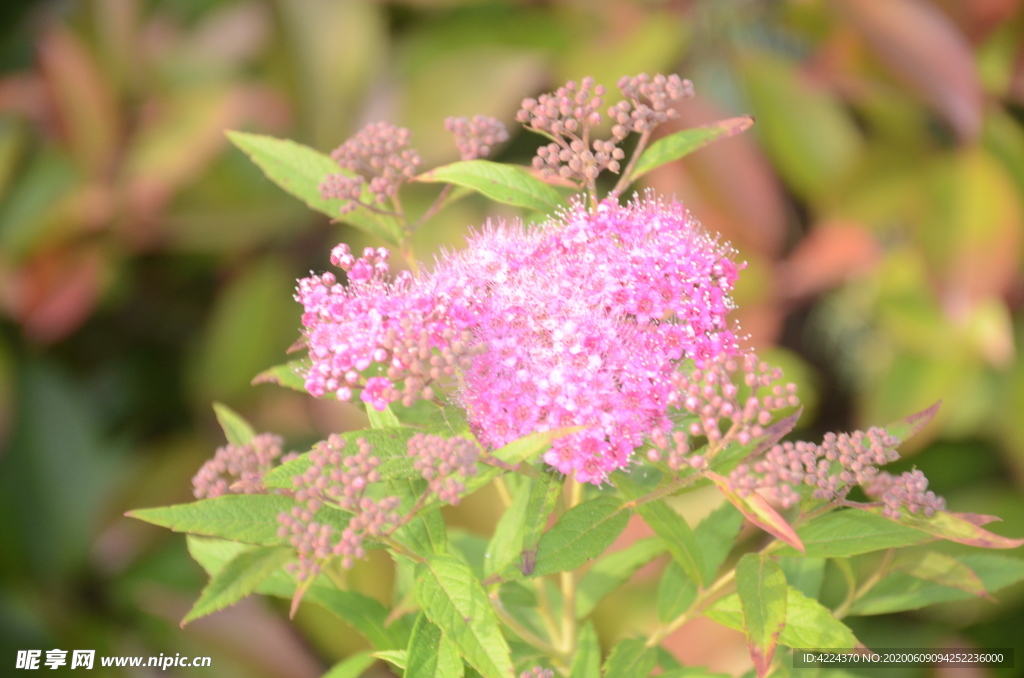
526	634
574	492
625	179
869	583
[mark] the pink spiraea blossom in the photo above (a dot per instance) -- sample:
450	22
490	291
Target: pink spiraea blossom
580	322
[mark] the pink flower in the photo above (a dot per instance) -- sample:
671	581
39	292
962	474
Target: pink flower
581	322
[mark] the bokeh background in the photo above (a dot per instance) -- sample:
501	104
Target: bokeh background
146	267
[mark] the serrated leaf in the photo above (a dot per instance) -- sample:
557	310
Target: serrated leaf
808	622
582	533
300	170
430	653
450	422
238	578
850	532
612	571
506	543
911	425
361	612
681	144
351	667
288	375
900	591
248	518
452	598
962	528
426	533
506	184
716	535
667	661
761	587
676	592
586	663
236	429
671	527
630	658
544	494
758	511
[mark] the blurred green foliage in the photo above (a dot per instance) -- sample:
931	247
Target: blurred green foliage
146	266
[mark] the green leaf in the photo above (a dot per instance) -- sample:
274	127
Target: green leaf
911	425
506	184
248	518
677	535
942	569
758	511
363	613
238	578
804	574
761	587
300	170
630	658
426	533
716	535
453	599
676	592
582	533
666	660
670	526
430	653
964	528
586	663
901	591
681	144
397	658
612	571
450	421
808	623
352	666
850	532
236	429
287	374
382	419
544	494
507	542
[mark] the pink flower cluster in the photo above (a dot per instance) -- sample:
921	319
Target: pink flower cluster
581	322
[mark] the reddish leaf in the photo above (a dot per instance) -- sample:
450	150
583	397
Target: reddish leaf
758	511
911	425
956	527
924	48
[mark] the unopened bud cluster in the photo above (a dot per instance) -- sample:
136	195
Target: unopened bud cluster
909	491
475	137
572	113
340	477
711	392
648	102
381	161
833	468
444	463
538	672
237	469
